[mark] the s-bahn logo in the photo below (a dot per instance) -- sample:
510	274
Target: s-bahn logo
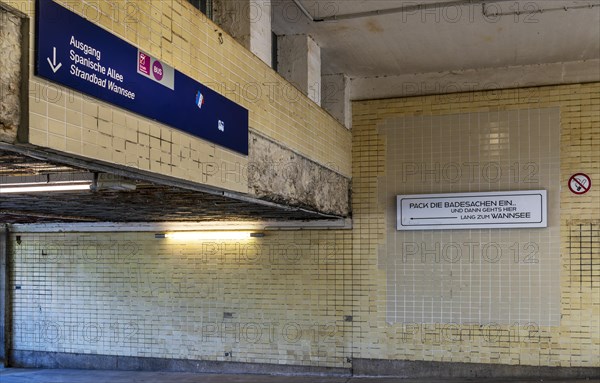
199	99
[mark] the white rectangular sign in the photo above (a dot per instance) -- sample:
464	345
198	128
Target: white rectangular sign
496	210
155	70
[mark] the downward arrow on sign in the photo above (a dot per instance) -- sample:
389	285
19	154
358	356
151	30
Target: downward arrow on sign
53	62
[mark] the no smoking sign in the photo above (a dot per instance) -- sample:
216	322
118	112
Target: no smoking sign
580	183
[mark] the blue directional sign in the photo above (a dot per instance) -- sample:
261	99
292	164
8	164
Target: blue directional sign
75	53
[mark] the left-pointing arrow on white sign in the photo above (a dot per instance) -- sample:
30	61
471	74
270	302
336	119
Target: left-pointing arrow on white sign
52	63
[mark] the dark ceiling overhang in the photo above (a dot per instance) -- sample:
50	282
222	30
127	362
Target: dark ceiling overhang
156	198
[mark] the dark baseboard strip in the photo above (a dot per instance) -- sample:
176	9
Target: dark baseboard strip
445	370
360	367
54	360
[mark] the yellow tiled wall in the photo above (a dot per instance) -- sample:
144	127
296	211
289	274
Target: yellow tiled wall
575	341
290	294
177	33
280	299
472	276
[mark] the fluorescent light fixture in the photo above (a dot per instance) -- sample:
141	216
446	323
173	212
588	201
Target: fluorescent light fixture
204	235
44	187
51	182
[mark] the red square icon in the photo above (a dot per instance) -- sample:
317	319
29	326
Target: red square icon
144	63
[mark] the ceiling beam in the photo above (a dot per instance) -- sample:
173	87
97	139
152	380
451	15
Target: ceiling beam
19	213
340	224
389	11
422	84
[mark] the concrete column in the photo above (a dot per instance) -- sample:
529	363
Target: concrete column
299	62
249	22
11	33
335	97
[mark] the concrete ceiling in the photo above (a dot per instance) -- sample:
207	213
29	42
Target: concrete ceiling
445	37
149	202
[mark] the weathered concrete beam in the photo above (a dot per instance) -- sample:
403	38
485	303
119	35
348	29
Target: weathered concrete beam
280	175
10	76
